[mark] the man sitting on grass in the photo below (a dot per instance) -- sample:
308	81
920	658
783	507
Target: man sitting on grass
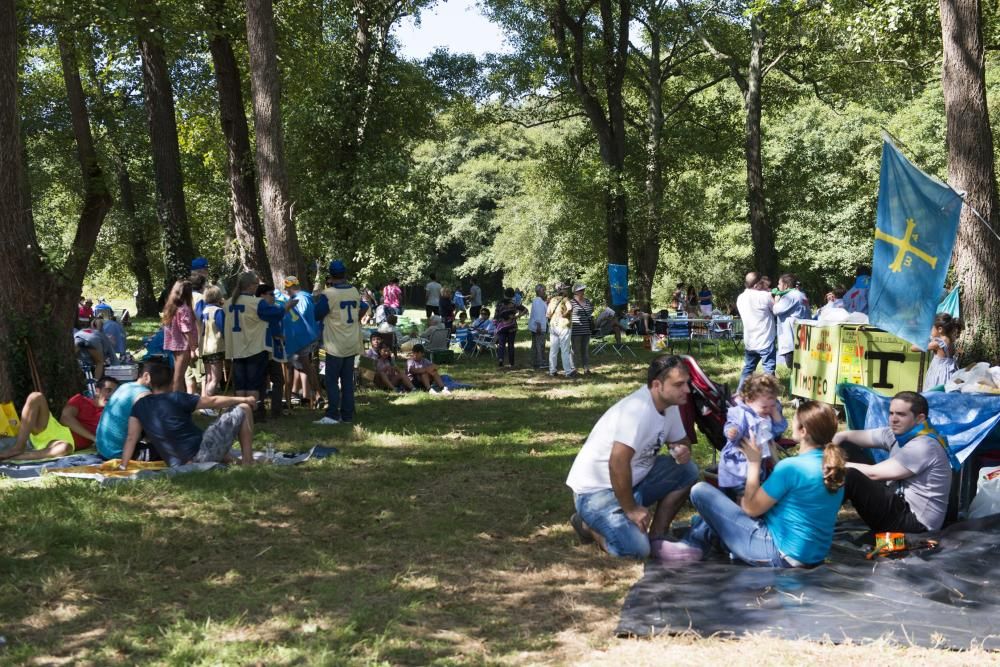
619	472
166	418
907	492
40	436
422	372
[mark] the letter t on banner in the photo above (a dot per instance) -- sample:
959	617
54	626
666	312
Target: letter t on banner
914	233
618	280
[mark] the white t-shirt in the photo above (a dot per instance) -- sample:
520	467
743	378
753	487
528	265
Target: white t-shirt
757	312
537	319
632	421
433	289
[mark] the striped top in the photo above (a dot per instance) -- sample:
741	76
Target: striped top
582	314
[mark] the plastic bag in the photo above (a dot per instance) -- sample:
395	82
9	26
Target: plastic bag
9	421
972	379
987	500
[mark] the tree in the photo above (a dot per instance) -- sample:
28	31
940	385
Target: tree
971	168
159	99
282	238
109	113
250	250
45	321
669	53
598	79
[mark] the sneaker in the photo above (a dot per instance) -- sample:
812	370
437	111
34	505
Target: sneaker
674	552
327	420
446	391
581	529
209	412
432	390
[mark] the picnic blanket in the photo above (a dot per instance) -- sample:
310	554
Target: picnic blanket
451	383
92	467
33	469
948	597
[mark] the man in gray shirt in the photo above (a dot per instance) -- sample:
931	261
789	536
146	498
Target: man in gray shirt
907	492
433	292
475	299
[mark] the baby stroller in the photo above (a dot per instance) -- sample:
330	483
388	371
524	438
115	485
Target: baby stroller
708	406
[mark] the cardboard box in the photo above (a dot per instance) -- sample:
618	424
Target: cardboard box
828	354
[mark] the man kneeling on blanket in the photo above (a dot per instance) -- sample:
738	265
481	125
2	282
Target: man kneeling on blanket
165	416
619	471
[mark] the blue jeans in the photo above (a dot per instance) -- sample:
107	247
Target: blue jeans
340	387
725	525
769	357
602	512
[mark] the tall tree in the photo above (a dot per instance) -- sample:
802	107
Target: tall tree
108	113
668	53
250	251
44	322
750	39
159	99
282	239
596	73
971	168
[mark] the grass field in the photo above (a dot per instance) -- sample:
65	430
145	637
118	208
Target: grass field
439	535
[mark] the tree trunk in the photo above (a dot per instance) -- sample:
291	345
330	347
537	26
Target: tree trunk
282	240
96	198
250	250
647	259
43	323
761	232
159	99
145	293
608	122
970	168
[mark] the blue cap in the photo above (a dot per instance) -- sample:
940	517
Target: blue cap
199	263
337	266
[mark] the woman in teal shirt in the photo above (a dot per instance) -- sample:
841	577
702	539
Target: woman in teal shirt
787	522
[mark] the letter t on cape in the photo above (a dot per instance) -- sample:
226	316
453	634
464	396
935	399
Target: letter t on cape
914	234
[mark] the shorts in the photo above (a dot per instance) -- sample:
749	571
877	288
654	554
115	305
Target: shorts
249	372
53	431
213	358
195	370
219	436
298	360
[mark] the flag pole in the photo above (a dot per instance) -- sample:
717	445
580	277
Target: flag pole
959	193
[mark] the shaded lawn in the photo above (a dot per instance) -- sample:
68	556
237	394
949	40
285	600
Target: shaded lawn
438	535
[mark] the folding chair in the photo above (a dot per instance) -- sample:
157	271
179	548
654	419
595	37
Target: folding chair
722	328
605	338
701	333
485	341
679	329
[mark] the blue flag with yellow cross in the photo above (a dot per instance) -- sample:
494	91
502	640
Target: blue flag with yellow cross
914	233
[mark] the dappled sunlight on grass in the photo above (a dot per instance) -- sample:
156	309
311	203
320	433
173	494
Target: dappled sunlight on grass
438	534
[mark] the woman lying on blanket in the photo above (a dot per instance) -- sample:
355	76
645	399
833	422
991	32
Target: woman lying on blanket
787	522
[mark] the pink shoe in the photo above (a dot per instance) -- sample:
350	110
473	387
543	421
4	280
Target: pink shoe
676	552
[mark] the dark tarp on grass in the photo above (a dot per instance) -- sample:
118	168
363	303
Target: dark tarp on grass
948	597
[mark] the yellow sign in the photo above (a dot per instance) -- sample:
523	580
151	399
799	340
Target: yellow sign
905	248
826	355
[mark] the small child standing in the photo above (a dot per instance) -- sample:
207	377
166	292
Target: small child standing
213	342
757	412
180	330
942	346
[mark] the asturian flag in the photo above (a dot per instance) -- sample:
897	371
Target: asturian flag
914	233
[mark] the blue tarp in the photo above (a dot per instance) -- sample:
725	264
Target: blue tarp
966	420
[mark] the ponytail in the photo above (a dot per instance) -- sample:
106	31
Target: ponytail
820	422
834	467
